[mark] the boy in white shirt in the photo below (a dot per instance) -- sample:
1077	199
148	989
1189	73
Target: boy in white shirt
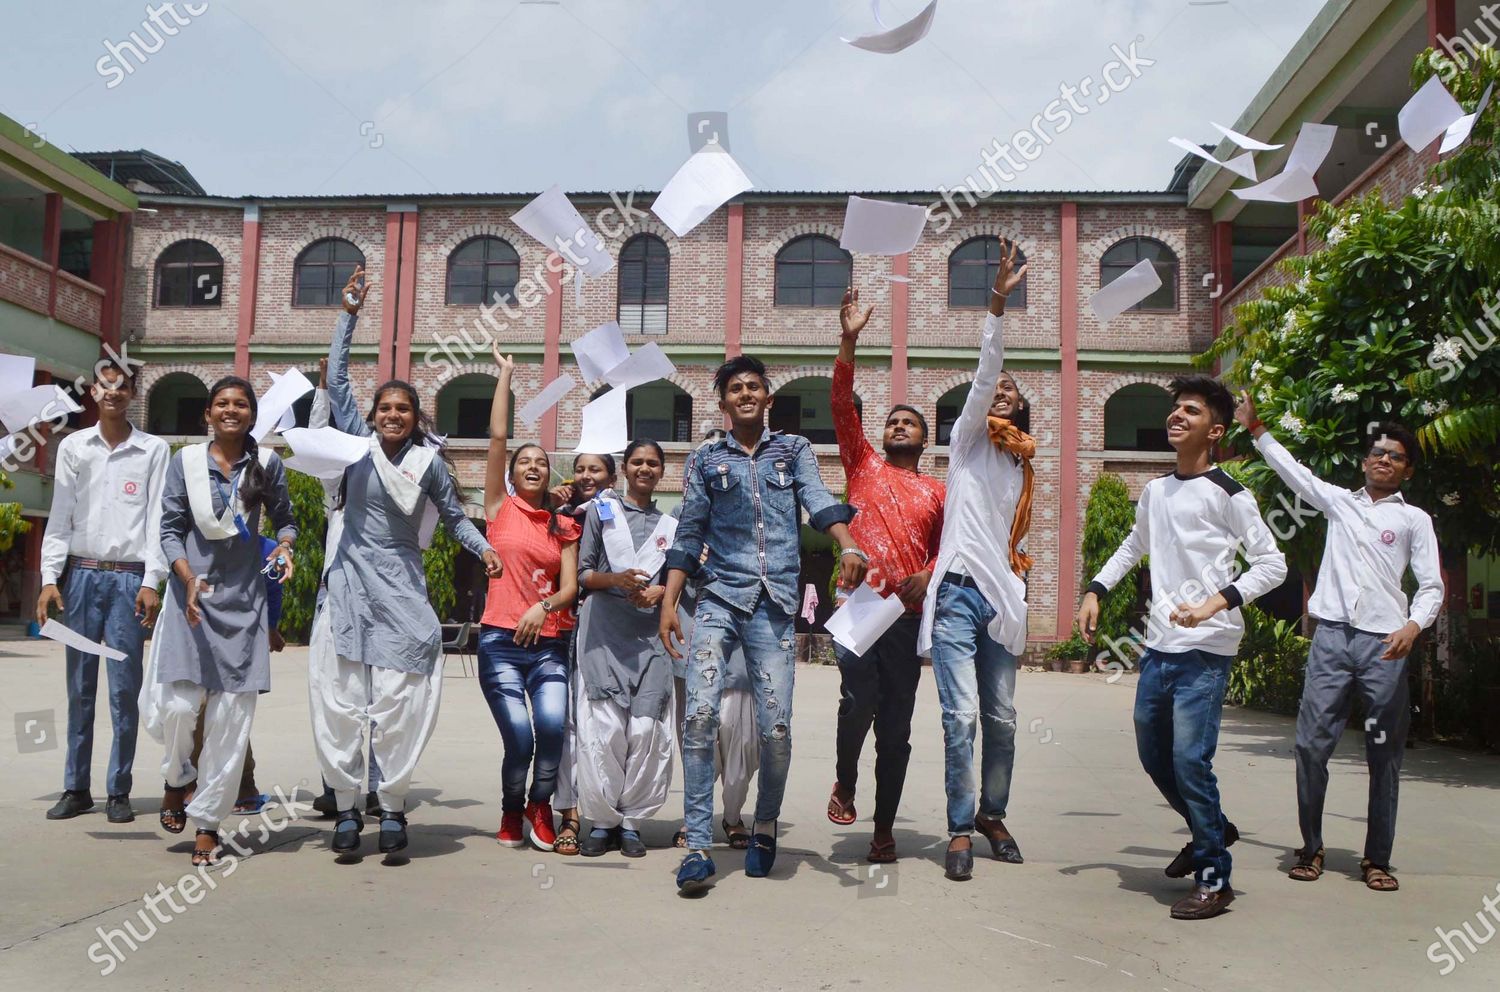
1193	523
1365	631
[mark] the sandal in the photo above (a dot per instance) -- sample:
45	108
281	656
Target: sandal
206	857
1309	867
739	836
840	812
567	838
173	815
882	852
1377	877
679	839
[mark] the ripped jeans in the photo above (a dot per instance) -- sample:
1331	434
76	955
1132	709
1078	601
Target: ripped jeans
768	636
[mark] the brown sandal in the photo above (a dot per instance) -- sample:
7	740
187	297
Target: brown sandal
739	837
206	857
1309	868
679	839
173	815
1378	878
840	812
567	838
882	852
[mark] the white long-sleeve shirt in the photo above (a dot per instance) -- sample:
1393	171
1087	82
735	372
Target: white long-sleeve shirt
1194	527
106	504
1369	546
984	486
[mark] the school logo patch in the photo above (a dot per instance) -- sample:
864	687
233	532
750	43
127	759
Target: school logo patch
131	488
1388	537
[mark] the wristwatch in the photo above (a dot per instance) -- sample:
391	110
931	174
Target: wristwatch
857	553
547	606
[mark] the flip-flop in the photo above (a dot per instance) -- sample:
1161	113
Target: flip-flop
840	812
882	853
250	805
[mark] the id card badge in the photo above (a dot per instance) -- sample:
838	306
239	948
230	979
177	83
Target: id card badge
606	510
239	523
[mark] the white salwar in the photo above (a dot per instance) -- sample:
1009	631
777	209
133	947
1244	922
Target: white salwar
737	750
226	733
623	763
346	697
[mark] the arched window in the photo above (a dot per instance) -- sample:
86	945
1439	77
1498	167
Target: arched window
463	406
482	271
1135	418
320	272
971	274
812	271
802	406
949	406
176	405
190	274
1125	255
644	267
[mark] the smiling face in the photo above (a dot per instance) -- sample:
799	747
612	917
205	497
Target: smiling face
112	392
1387	465
1007	401
1191	424
590	475
395	415
903	433
746	400
530	472
643	471
230	413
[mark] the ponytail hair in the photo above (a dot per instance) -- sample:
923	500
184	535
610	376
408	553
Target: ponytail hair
255	483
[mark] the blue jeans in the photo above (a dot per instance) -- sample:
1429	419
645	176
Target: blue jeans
101	607
1178	701
976	684
768	636
508	675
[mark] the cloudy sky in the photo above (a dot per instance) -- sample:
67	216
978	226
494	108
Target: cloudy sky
394	96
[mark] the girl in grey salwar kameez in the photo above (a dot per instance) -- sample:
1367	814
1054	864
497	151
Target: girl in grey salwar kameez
211	647
376	648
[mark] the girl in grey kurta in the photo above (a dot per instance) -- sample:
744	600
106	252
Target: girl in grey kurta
624	695
211	648
376	643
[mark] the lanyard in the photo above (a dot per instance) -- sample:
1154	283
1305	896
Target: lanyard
228	498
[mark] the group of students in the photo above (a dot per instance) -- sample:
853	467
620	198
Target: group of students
614	633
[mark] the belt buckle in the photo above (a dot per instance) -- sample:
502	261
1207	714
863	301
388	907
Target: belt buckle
105	566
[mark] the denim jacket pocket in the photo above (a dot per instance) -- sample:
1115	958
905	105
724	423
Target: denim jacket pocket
779	490
720	478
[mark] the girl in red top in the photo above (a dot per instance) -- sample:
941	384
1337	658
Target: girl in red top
523	651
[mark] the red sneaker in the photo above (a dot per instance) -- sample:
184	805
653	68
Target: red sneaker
539	824
510	834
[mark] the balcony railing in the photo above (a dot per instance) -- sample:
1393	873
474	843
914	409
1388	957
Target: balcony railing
31	283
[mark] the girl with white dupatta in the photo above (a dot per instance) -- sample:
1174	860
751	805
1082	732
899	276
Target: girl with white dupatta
624	692
376	648
211	650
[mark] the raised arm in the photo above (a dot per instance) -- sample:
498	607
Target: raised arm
854	447
340	393
973	423
320	415
494	465
1298	477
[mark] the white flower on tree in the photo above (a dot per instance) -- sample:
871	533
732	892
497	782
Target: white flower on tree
1294	425
1342	395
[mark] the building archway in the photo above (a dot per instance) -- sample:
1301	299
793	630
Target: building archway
1135	418
463	406
802	406
176	404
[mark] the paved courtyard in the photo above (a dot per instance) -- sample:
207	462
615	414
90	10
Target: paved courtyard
1089	908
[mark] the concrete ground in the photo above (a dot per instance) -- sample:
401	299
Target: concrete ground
1089	908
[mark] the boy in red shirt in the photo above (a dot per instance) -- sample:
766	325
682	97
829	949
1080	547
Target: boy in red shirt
899	520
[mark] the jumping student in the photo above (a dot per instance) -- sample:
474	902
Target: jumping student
376	650
974	615
623	699
212	647
1365	631
1192	523
523	648
899	521
743	497
105	531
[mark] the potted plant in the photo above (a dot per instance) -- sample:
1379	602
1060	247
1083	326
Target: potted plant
1072	653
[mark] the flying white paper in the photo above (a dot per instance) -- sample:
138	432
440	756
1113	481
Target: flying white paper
1429	113
600	350
548	398
16	373
648	364
71	638
8	447
889	42
863	618
553	221
604	426
286	389
1242	165
879	227
1125	292
707	180
324	452
19	410
1458	132
1314	141
1245	141
1289	187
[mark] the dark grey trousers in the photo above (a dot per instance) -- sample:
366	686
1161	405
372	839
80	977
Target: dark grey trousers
1344	661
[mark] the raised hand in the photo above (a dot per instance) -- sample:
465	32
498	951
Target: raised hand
850	319
504	363
1245	411
1009	277
354	294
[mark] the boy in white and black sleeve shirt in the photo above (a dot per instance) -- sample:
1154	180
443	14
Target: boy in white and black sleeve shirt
1193	523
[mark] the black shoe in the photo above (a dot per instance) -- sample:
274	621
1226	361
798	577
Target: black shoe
1004	848
600	841
392	838
372	803
631	844
71	804
1182	865
117	809
346	840
958	865
326	804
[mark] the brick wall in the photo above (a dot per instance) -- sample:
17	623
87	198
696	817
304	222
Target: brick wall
23	279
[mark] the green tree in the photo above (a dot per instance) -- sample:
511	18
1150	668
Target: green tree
438	564
300	595
12	525
1106	521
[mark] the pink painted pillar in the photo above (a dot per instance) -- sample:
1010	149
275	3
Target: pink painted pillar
900	313
1067	428
552	360
734	279
249	281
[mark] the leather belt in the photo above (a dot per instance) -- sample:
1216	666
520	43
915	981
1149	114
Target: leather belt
960	580
133	567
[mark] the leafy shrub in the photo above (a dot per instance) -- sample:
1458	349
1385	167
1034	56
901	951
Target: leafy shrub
1267	672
